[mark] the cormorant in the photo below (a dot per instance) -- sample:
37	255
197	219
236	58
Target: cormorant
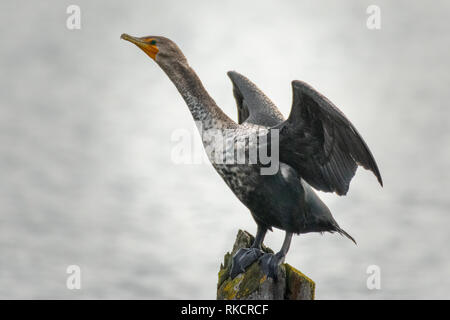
318	148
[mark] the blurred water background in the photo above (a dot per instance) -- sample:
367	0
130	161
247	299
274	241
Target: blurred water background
85	145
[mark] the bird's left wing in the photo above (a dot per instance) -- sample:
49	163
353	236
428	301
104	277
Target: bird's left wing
253	105
321	143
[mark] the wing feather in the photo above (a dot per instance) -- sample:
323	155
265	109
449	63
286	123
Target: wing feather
253	105
321	143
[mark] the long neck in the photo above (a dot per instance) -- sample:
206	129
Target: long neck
203	108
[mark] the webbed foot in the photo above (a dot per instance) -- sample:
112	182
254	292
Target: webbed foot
243	258
270	264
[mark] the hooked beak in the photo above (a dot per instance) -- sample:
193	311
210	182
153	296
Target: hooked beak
143	43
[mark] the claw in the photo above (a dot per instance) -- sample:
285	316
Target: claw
270	264
243	258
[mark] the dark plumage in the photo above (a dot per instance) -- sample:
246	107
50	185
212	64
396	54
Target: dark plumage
318	147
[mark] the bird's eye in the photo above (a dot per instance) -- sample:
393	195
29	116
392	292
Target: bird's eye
153	42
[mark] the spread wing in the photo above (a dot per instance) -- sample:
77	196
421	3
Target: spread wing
321	143
253	105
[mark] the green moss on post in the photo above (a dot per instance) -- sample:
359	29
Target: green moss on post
254	285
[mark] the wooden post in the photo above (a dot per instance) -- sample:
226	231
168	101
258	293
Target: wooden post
254	284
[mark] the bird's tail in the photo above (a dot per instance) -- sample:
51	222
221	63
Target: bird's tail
342	232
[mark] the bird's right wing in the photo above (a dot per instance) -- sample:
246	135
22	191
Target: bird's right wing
253	105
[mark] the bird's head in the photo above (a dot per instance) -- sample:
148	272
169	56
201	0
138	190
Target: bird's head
162	50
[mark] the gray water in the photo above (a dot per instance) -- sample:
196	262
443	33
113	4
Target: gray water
85	145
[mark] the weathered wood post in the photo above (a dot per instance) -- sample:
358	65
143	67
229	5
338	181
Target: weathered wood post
254	285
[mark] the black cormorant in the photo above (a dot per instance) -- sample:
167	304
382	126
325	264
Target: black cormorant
318	148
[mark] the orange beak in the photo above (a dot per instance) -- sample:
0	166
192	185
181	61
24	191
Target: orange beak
144	43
